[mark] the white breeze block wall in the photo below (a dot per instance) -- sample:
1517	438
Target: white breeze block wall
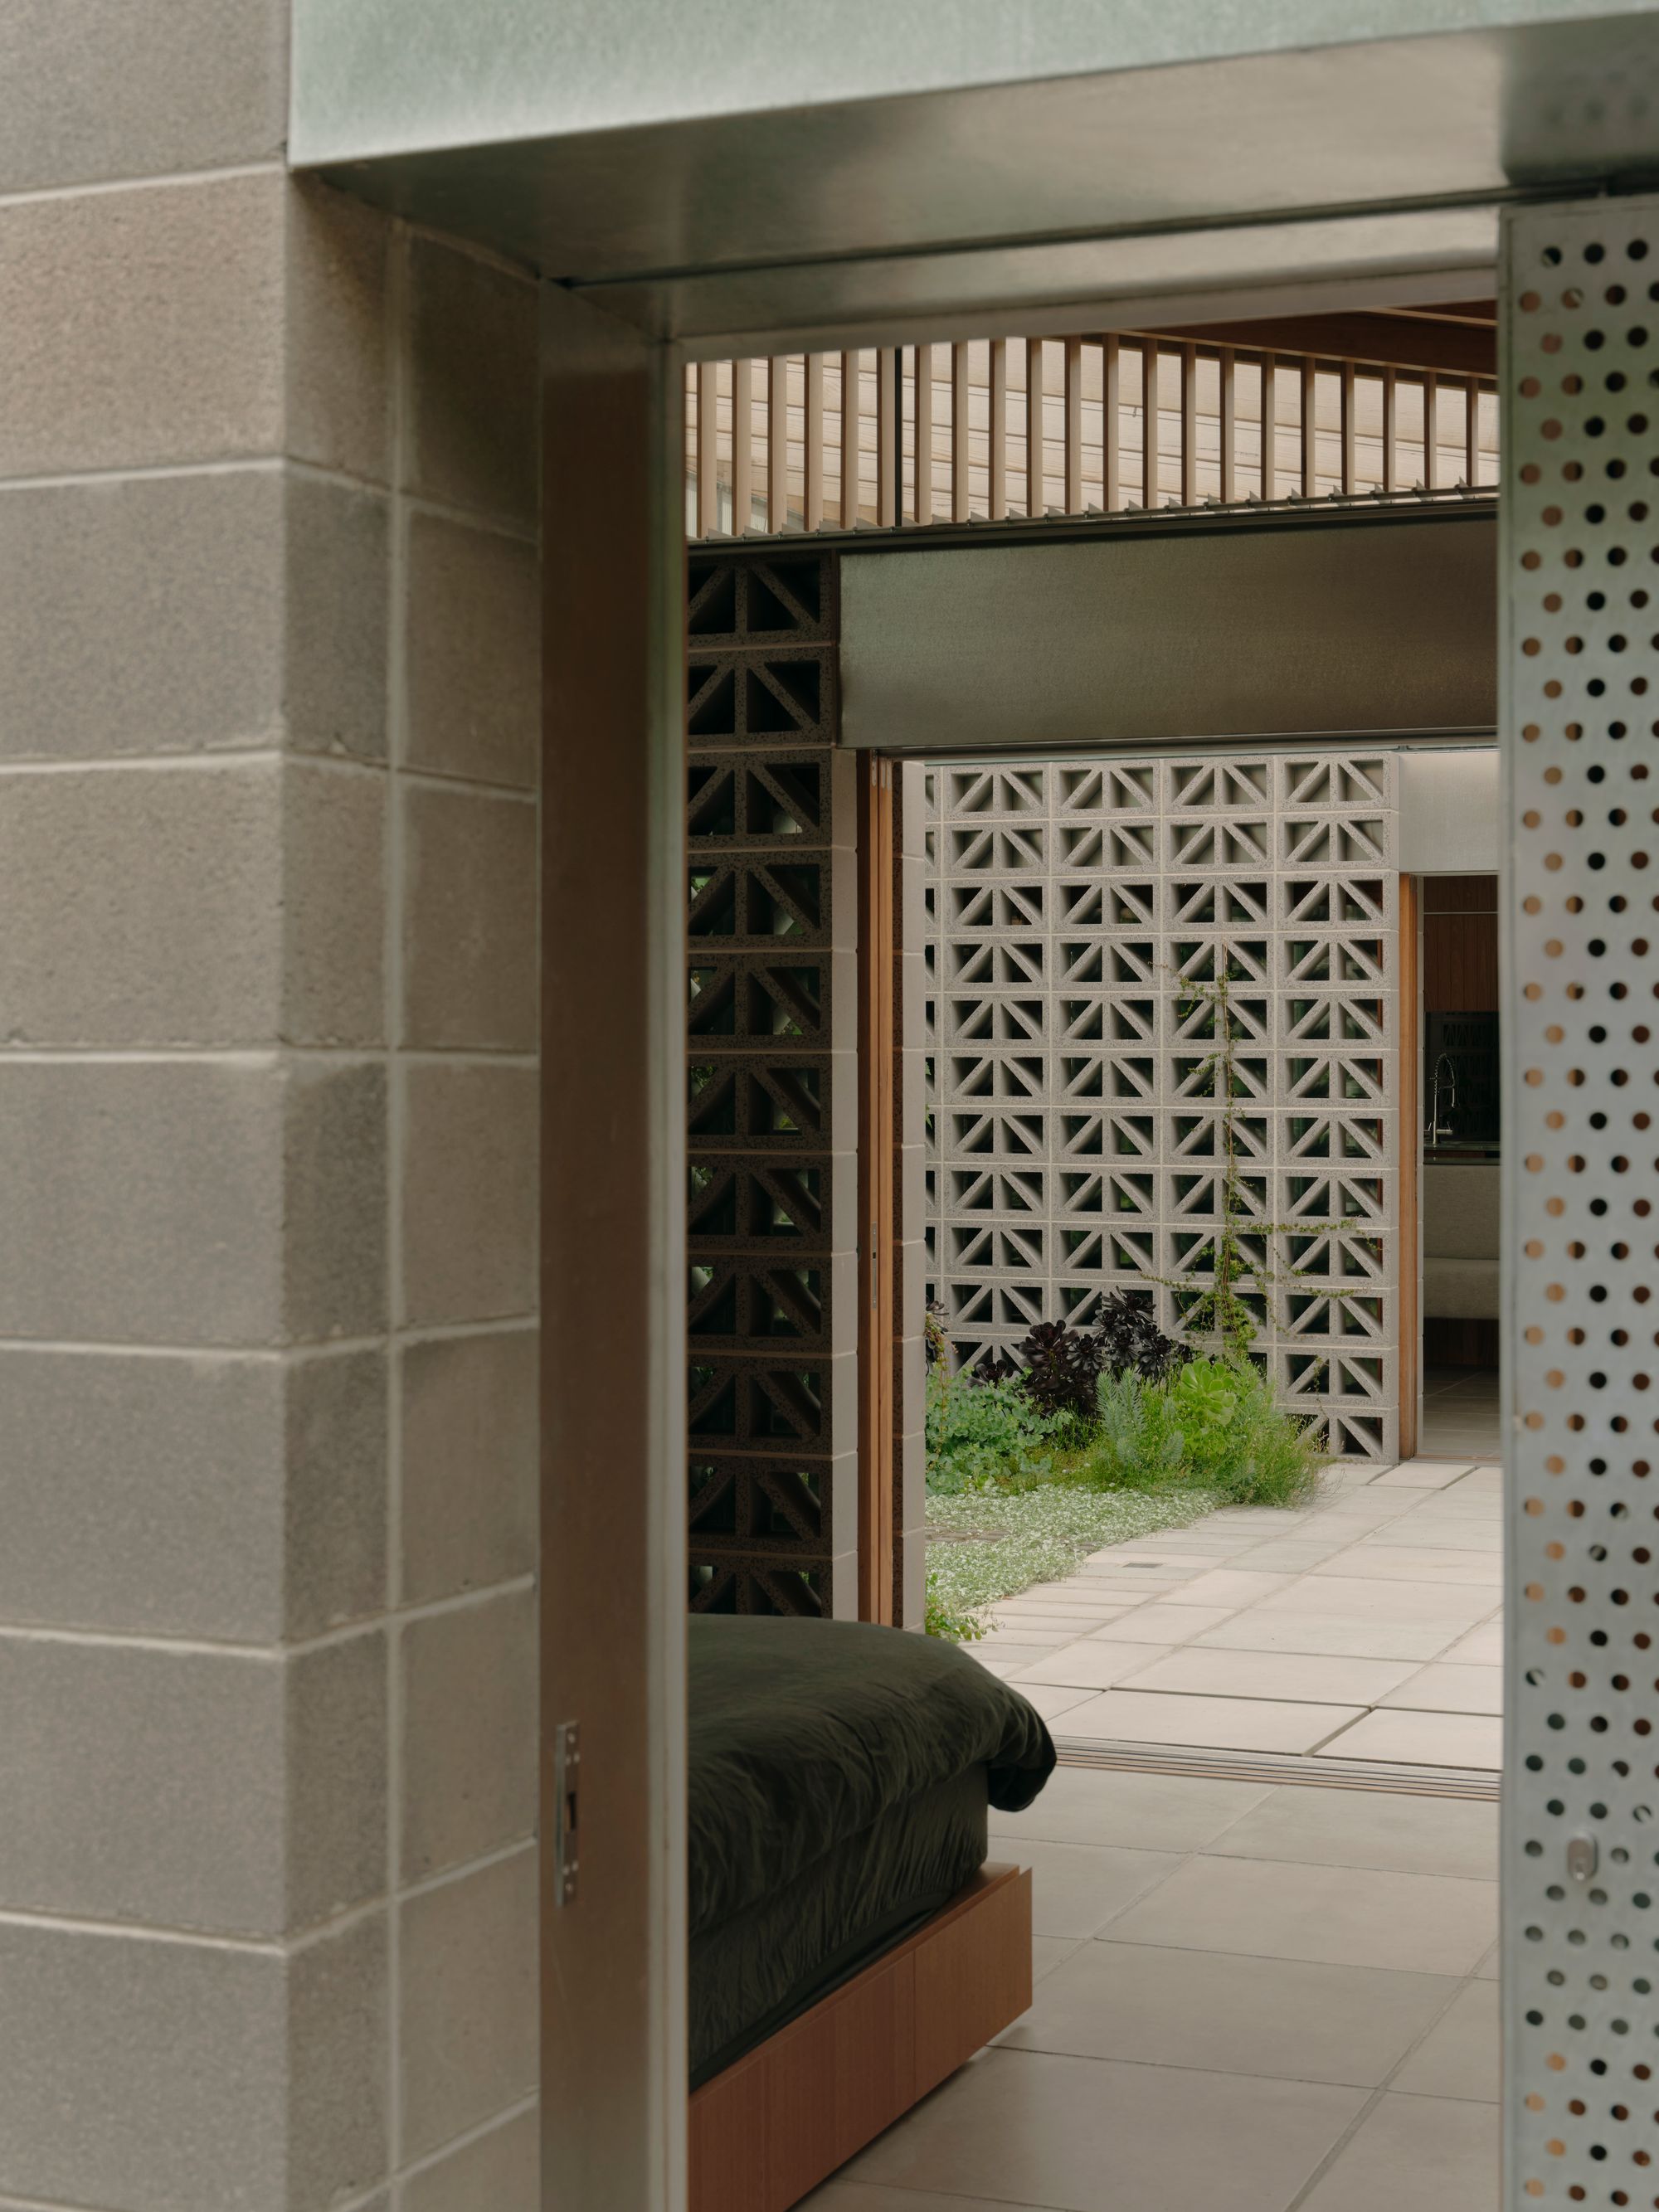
1076	1131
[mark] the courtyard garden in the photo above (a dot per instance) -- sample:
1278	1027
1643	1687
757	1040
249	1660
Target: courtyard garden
1085	1437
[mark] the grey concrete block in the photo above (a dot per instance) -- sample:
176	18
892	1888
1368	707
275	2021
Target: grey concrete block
335	1177
470	1463
336	1778
143	1785
469	1732
500	2171
218	1791
470	954
467	2001
235	1500
141	1203
151	2076
141	327
339	2003
144	905
338	263
333	907
474	394
336	571
468	1192
474	672
142	618
98	89
335	1462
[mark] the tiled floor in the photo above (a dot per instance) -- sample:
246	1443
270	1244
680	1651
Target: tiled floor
1249	1999
1367	1626
1460	1418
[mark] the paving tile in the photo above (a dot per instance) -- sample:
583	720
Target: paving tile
1323	1680
1064	1624
1220	1723
1419	1475
1429	2152
1492	1965
1461	2056
1233	1586
1014	1651
1447	1531
1331	1633
1141	1812
1231	2014
1162	1623
1414	1738
1455	1836
1076	1888
1084	2134
1093	1664
1381	1597
1290	1556
1051	1699
1332	1915
1451	1689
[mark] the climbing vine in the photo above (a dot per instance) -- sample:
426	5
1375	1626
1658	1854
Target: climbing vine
1222	1309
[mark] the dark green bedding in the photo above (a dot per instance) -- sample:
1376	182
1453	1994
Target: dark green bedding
839	1775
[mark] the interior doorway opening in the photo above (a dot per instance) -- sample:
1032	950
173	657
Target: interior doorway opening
1459	1165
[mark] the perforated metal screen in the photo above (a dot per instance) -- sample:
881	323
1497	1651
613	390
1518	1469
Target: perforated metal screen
1580	545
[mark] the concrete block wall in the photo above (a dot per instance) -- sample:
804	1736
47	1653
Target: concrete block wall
269	747
1077	910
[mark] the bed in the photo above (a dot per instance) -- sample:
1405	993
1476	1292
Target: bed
849	1945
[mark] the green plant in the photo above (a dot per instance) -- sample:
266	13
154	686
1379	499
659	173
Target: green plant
1213	1424
993	1546
982	1436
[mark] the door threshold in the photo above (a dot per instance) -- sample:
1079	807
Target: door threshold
1301	1768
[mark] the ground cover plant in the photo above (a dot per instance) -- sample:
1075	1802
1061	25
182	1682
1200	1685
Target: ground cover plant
1089	1437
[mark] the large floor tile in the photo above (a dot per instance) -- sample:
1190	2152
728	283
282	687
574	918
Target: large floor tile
1093	1664
839	2196
1220	1723
1164	1624
1451	1689
1076	1888
1462	2054
1231	2014
1334	1635
1333	1916
1282	1674
1368	1596
1140	1812
1429	2152
1085	2135
1049	1951
1377	1828
1418	1738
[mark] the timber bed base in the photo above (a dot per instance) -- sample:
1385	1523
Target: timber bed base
785	2115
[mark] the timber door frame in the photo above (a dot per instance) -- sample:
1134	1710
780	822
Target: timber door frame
613	1545
1408	997
876	1109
